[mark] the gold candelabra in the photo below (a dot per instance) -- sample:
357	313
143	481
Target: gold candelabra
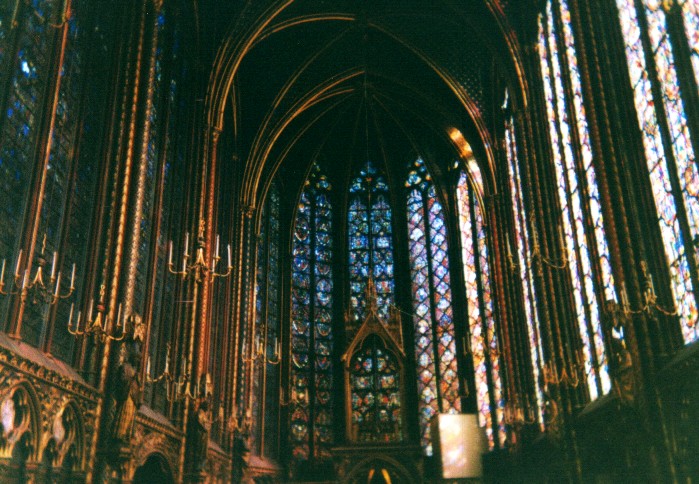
294	397
572	374
101	326
180	388
536	254
199	267
259	352
516	413
24	284
650	299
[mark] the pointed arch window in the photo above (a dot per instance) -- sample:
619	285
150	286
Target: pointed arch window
433	320
669	143
265	389
370	240
311	394
481	320
582	225
25	72
524	263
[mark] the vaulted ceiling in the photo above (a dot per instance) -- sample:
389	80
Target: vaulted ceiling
346	80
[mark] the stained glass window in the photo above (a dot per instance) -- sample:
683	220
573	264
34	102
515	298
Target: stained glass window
267	318
28	71
375	393
524	264
66	176
370	240
484	340
666	139
586	252
311	394
435	345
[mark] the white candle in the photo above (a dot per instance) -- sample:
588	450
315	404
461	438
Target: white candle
148	366
217	241
167	359
24	280
169	254
2	274
70	315
89	310
72	278
53	267
19	262
229	256
118	319
58	284
186	244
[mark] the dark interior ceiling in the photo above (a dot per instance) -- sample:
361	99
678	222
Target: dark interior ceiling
345	80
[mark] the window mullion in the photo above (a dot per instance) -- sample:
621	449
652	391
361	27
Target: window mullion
484	314
430	286
312	327
583	195
689	91
668	148
569	201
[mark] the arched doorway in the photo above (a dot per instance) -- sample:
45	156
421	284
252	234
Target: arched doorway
155	470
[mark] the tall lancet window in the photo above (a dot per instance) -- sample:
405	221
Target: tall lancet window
481	320
524	264
433	319
267	318
25	76
370	242
667	137
311	395
582	235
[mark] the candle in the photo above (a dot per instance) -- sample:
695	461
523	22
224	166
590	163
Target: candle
19	262
89	310
148	366
2	274
229	256
186	244
118	319
70	315
561	235
72	278
169	254
58	284
217	241
53	267
624	296
167	359
24	280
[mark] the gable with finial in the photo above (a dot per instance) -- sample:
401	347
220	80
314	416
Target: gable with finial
373	325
